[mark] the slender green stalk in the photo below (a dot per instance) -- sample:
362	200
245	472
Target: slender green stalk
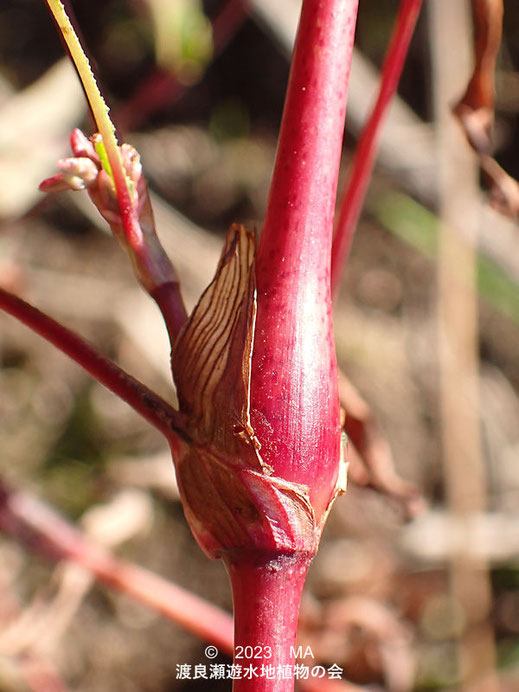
134	225
97	103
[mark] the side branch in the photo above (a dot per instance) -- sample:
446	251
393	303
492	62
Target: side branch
366	151
119	184
37	525
150	406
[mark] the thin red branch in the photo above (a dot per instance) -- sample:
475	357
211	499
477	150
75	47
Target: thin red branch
35	524
365	153
148	404
171	305
42	529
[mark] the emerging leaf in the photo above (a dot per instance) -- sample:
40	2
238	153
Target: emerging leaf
230	496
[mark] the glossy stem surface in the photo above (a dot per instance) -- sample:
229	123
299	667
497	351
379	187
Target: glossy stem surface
295	408
266	596
148	404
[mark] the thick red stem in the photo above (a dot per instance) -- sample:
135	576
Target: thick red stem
295	408
148	404
365	153
266	596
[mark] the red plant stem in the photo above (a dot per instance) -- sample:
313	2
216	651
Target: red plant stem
148	255
294	398
148	404
365	153
32	522
269	586
295	408
39	676
171	305
37	525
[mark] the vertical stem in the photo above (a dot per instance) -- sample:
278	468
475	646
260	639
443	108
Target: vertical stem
366	150
457	323
266	596
295	409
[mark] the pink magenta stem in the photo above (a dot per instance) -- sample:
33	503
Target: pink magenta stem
32	522
295	406
26	518
366	150
171	305
294	398
148	404
266	595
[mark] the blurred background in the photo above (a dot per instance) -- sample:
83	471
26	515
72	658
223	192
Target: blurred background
399	599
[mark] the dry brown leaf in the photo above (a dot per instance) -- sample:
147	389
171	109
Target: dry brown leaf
369	454
475	110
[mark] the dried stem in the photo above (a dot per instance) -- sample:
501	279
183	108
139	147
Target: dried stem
476	108
366	150
458	340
